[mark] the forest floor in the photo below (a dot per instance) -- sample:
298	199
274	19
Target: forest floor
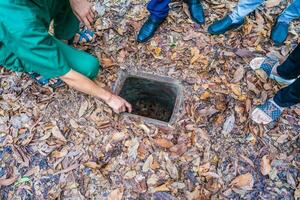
65	145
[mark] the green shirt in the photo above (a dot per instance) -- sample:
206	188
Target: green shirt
25	44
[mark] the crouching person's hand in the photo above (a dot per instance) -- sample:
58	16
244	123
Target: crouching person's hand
83	11
87	86
118	104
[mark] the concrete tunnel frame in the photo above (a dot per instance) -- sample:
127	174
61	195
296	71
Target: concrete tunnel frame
175	86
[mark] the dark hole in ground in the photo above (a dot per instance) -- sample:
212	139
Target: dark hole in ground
152	99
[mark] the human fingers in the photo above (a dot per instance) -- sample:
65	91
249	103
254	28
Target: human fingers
128	106
90	19
92	13
87	23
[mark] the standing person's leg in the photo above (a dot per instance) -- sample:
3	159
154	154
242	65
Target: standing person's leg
244	8
290	68
235	18
288	96
159	10
291	13
284	98
281	28
196	11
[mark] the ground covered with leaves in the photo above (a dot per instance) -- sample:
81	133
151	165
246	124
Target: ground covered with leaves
65	145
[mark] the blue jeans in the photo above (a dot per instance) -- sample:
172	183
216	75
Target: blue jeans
159	9
245	7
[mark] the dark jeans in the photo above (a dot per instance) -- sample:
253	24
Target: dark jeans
290	69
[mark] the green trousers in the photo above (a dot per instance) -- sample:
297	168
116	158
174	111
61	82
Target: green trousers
26	45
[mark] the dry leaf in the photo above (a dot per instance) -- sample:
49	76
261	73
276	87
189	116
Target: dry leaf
92	165
118	136
297	192
59	154
157	51
211	174
265	165
238	74
205	96
163	188
164	143
272	3
195	53
121	56
228	125
236	89
203	168
57	134
154	165
116	194
133	147
83	108
244	181
178	149
107	62
172	169
147	163
282	139
130	174
9	181
144	128
290	179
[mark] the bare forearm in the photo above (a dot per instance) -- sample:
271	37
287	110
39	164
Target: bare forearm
85	85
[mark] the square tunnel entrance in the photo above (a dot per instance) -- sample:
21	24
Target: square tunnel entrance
153	98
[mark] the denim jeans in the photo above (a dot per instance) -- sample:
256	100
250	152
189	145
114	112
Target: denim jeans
159	9
289	69
245	7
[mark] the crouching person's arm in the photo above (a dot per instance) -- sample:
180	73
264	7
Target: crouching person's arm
87	86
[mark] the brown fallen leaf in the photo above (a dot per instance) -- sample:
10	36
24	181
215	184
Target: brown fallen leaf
164	143
282	139
272	3
195	54
203	168
116	194
57	134
265	165
178	149
163	188
244	181
144	128
107	62
297	192
147	163
205	96
92	165
118	136
59	154
238	74
8	181
236	89
297	111
154	165
83	108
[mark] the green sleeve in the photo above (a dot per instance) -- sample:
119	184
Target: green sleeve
39	52
24	31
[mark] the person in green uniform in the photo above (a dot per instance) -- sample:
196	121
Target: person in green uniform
26	45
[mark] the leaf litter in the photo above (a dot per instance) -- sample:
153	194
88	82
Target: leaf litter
65	145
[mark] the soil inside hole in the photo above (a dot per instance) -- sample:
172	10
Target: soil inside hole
152	99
